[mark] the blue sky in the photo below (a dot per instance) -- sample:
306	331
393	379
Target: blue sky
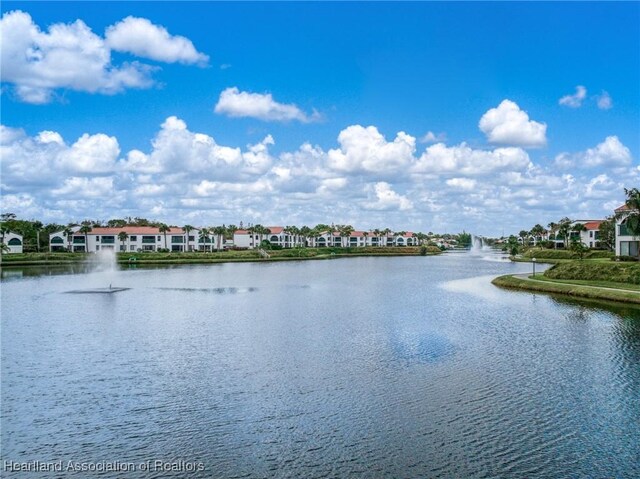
422	116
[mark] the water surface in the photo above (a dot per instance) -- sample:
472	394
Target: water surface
376	367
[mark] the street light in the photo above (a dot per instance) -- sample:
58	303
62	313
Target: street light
533	261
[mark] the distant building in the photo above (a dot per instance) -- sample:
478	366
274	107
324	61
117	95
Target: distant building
13	241
626	243
138	238
278	235
591	236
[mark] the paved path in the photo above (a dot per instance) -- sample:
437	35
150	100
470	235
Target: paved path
526	277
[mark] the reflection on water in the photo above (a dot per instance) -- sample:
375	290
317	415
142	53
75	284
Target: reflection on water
382	367
213	290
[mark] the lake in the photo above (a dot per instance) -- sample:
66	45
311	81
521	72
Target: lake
365	367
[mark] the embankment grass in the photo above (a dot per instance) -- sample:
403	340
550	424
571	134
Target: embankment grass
214	256
575	290
607	271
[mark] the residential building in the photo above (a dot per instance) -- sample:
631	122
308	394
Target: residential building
626	243
590	237
279	236
13	241
138	239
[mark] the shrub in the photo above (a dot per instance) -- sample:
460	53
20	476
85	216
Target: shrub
625	258
619	272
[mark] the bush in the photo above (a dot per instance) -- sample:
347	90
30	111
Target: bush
564	254
616	272
625	258
423	250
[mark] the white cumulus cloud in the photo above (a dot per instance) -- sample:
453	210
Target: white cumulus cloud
237	104
611	152
387	199
142	38
575	100
604	101
71	56
462	159
462	183
366	150
509	125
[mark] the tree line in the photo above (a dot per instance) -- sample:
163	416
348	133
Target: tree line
36	234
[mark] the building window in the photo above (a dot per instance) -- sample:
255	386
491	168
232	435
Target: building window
133	238
14	242
148	239
159	238
109	239
192	238
623	231
629	248
177	239
132	248
97	239
590	234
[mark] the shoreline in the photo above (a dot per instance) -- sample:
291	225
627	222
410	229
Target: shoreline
526	283
176	260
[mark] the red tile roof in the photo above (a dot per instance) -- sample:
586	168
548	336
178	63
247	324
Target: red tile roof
622	208
592	225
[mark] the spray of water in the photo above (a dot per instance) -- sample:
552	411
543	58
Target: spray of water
105	263
478	245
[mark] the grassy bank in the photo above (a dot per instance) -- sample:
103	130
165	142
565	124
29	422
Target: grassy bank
608	271
212	257
584	290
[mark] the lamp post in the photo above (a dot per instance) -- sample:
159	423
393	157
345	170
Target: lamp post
533	261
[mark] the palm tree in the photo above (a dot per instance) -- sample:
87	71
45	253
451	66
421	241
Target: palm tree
68	232
204	237
564	226
365	234
305	232
85	229
578	228
231	230
37	225
288	231
3	231
386	232
344	231
523	234
260	231
219	231
630	214
163	228
122	236
553	228
187	229
536	232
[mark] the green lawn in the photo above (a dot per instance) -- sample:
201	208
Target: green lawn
214	256
569	289
582	282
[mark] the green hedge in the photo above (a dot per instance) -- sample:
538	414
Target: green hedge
565	254
615	272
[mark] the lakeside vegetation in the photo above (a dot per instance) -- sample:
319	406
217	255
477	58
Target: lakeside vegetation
588	290
218	257
610	271
598	278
